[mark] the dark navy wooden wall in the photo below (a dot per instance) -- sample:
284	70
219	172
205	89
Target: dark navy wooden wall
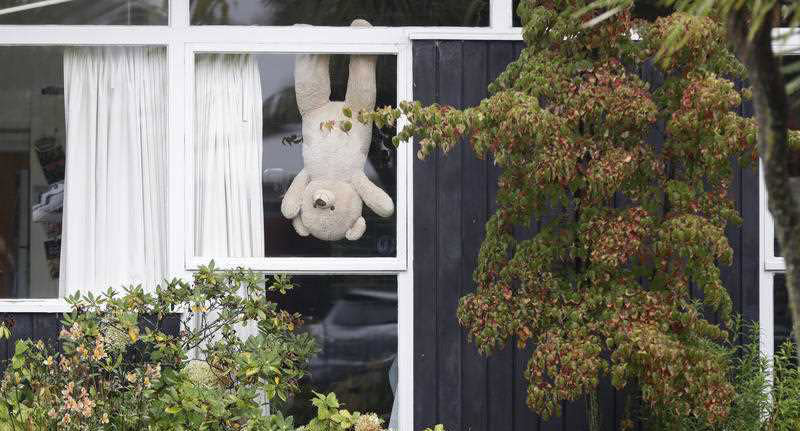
453	196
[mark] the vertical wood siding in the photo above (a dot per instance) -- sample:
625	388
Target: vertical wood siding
453	197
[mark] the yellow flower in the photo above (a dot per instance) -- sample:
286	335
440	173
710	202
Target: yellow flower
131	377
99	351
104	419
133	333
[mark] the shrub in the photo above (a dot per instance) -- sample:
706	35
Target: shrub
117	369
760	403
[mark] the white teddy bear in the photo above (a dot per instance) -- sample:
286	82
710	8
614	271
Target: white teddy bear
325	198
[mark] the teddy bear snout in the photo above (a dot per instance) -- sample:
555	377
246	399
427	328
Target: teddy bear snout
323	199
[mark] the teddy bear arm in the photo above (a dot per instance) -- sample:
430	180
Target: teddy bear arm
373	196
290	205
299	227
357	230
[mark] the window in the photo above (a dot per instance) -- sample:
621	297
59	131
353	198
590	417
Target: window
81	141
103	12
270	79
456	13
32	155
354	320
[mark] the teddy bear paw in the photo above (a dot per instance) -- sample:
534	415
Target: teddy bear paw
357	230
299	227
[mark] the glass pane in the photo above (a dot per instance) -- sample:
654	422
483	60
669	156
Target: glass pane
115	174
467	13
32	159
270	85
354	319
87	12
783	318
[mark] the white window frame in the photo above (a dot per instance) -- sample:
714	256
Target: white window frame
182	41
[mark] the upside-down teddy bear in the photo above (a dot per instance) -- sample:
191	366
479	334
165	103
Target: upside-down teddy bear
325	198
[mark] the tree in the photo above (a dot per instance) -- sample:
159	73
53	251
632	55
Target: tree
603	289
749	28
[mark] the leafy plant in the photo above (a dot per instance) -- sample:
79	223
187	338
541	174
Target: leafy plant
763	400
119	369
603	288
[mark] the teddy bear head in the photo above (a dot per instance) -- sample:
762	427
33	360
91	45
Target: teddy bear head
330	208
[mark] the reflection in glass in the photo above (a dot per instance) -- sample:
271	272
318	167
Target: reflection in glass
354	320
32	161
282	159
88	12
466	13
783	318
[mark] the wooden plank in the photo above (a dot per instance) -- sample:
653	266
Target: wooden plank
449	240
750	235
46	328
22	330
502	377
731	275
575	417
425	343
473	220
749	245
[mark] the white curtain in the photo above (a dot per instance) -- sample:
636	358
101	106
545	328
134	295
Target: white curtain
229	216
115	206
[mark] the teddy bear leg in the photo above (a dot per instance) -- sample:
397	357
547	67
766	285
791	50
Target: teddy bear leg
299	227
357	230
290	205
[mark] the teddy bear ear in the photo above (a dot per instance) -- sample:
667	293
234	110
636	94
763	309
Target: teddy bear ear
312	81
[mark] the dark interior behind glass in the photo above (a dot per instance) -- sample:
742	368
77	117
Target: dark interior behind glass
783	319
460	13
32	160
354	319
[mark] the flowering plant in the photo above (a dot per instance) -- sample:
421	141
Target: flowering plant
119	367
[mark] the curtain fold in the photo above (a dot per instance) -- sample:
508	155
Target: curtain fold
115	206
229	216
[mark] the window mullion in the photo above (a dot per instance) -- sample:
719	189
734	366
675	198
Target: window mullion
501	14
178	233
179	13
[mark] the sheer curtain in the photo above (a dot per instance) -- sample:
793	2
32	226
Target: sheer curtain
115	206
229	215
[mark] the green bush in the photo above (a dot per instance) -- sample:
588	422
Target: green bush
117	370
758	404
